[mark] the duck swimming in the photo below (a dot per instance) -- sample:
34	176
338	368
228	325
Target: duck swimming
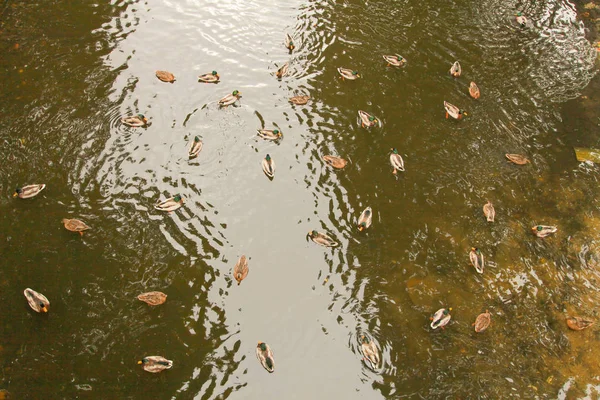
29	191
268	166
453	111
474	90
230	99
335	162
441	318
165	76
240	271
489	211
367	120
195	147
212	77
322	239
135	121
153	298
348	73
365	219
155	364
265	356
37	301
395	60
456	70
542	231
370	351
477	259
170	204
396	161
75	225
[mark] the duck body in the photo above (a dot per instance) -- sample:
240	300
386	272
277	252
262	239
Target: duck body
483	321
170	204
322	239
299	100
521	19
489	211
477	259
155	364
370	352
395	60
517	159
440	318
75	225
29	191
135	121
474	90
37	301
365	219
230	99
283	71
165	76
268	166
240	271
456	69
578	323
367	120
542	231
348	73
335	162
195	147
396	161
453	111
265	356
153	298
268	134
212	77
289	42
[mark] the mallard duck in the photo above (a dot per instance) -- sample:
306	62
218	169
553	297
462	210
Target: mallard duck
578	323
230	99
265	356
268	166
322	239
365	219
489	212
335	162
396	161
456	70
348	73
213	77
440	318
453	111
75	225
195	147
517	159
274	134
370	351
367	120
37	301
170	204
521	19
395	61
155	364
542	231
482	322
135	121
289	42
153	298
474	90
477	259
165	76
29	191
283	71
240	271
300	100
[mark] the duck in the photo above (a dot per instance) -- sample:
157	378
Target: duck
440	318
212	77
75	225
348	73
165	76
135	121
396	161
268	166
322	239
155	364
153	298
283	71
365	219
367	120
370	351
37	301
335	162
482	321
517	159
29	191
240	271
230	99
274	134
265	356
578	323
474	90
477	259
170	204
456	70
542	231
521	19
195	147
289	42
395	61
299	100
453	111
489	212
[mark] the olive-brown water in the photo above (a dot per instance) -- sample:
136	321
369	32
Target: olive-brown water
70	70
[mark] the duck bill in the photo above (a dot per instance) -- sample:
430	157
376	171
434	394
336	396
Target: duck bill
360	228
44	309
15	194
140	362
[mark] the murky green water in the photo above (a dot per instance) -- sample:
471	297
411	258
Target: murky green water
71	69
